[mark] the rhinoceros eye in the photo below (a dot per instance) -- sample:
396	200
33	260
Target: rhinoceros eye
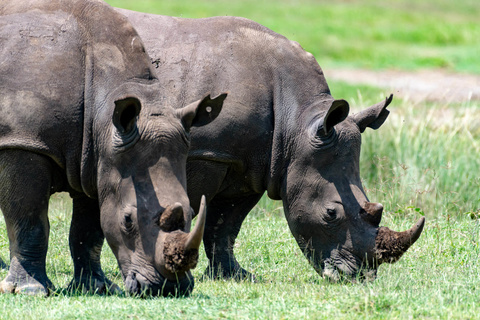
331	214
128	224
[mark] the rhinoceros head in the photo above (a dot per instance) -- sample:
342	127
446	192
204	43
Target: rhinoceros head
145	211
330	216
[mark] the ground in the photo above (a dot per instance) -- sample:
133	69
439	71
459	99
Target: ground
427	85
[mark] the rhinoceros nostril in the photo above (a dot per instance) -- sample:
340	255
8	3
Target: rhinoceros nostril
131	284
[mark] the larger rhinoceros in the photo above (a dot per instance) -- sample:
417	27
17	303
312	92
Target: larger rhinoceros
80	111
280	131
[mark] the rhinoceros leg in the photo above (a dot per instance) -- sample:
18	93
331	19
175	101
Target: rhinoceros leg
86	241
25	181
224	219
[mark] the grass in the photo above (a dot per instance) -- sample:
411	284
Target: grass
437	278
425	157
423	161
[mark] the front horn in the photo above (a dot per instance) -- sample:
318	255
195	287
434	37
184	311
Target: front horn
391	245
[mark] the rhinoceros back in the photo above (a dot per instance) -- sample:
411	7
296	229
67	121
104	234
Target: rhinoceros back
42	82
59	62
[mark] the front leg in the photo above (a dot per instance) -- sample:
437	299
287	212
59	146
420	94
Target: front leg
86	242
25	181
224	220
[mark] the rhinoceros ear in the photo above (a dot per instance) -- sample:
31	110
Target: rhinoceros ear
337	112
201	112
125	114
374	116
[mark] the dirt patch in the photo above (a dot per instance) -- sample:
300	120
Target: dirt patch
428	85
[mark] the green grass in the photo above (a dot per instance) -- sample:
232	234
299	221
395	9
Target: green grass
437	278
406	34
425	157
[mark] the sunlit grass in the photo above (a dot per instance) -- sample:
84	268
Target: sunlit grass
426	156
437	278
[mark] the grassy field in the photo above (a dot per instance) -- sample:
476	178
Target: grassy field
425	160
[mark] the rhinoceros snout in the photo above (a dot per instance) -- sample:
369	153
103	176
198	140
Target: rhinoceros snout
137	285
132	285
336	274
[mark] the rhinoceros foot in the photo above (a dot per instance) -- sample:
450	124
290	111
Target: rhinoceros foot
94	285
26	285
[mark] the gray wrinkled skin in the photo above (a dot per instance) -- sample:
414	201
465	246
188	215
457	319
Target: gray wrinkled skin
280	131
81	111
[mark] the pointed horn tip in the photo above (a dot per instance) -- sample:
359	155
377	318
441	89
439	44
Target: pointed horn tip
417	229
391	245
196	235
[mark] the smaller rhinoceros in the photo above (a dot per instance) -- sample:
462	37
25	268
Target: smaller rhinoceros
81	111
280	131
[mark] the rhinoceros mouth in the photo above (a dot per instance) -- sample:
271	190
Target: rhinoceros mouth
338	265
138	285
338	273
346	267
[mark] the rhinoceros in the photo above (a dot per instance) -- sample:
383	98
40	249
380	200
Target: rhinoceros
282	132
81	112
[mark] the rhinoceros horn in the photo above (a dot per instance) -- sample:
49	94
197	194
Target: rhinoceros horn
172	218
195	236
372	213
391	245
181	249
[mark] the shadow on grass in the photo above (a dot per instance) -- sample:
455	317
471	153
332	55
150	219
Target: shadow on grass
72	293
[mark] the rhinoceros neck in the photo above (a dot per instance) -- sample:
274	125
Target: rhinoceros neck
296	87
114	55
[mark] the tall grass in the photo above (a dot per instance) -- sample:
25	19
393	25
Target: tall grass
425	157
